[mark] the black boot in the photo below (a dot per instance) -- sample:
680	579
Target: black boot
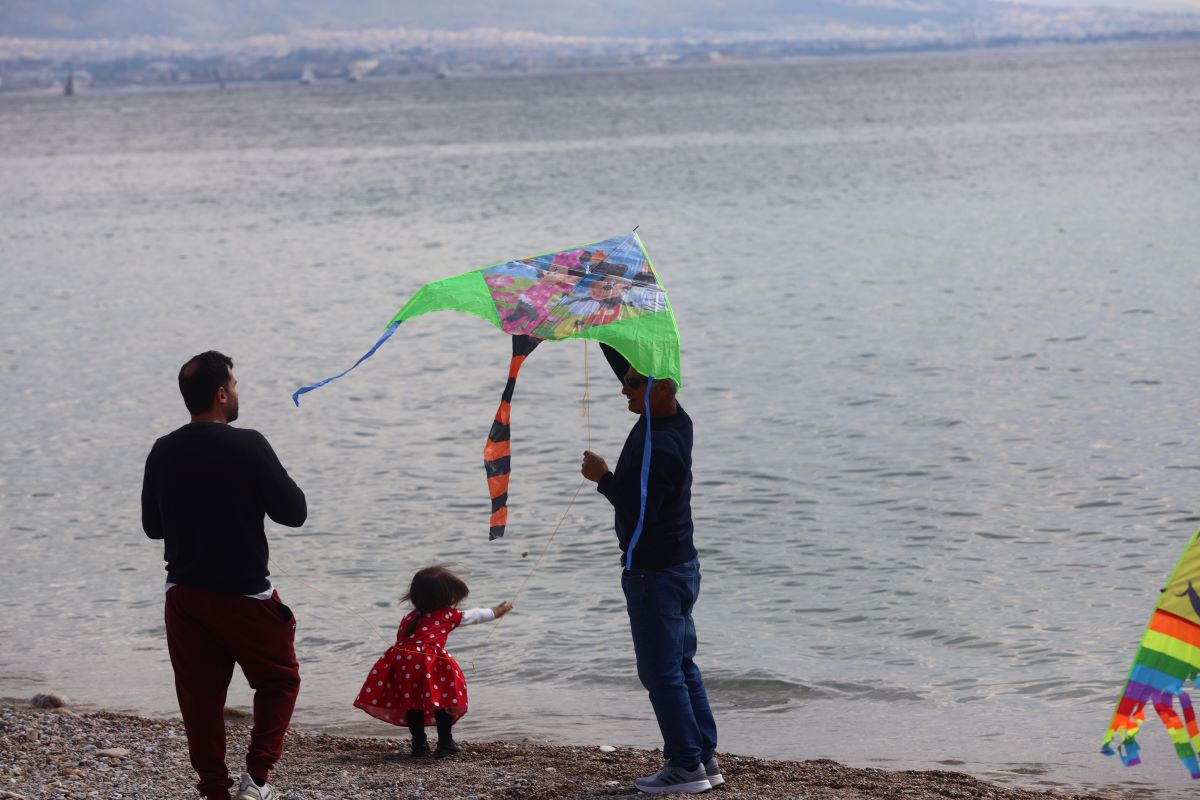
416	726
446	746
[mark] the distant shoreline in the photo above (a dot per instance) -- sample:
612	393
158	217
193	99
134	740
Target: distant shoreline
49	74
48	753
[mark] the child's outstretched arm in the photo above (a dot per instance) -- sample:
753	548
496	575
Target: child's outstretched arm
475	615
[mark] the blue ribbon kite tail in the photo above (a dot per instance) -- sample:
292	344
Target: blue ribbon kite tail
637	531
305	389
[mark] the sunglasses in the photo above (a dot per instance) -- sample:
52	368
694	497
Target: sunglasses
636	382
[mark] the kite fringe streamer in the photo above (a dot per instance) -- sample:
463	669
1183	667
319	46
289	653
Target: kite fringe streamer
1183	732
387	334
644	481
497	453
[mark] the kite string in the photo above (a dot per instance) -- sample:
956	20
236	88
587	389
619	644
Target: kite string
343	606
537	562
348	609
529	574
585	411
586	407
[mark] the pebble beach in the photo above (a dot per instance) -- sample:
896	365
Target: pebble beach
60	754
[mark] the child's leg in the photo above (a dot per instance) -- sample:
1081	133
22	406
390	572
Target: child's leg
446	746
416	726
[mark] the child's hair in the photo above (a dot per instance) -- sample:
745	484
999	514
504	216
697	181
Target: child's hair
433	588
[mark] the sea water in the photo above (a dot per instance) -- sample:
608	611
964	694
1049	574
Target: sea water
939	343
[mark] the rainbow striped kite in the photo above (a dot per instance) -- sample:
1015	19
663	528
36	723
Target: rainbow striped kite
607	291
1167	658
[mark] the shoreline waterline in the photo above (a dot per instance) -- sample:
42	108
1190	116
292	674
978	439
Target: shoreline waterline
63	752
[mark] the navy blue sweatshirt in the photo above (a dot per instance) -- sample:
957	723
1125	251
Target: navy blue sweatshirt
666	538
206	490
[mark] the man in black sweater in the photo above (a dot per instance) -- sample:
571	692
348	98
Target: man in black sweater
661	580
206	490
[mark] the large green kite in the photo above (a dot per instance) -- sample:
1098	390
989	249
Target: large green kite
607	291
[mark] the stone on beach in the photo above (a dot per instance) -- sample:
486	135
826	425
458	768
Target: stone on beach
113	752
48	700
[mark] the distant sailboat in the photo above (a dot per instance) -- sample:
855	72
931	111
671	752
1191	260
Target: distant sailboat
69	88
307	77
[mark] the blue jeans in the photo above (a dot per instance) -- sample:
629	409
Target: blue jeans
664	638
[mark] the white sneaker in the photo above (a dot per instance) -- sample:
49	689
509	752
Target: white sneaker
249	790
675	780
712	771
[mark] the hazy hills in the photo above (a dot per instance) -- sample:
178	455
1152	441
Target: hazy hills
162	42
224	22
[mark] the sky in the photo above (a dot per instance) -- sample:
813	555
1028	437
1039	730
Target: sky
1136	5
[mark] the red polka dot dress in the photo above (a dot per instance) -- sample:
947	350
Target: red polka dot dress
417	673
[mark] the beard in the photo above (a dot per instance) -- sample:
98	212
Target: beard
231	413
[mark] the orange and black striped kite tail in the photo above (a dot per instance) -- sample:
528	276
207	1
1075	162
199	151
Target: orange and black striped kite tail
497	453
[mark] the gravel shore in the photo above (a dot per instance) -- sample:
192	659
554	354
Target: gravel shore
64	754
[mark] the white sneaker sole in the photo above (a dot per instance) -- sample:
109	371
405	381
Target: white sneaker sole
692	787
716	780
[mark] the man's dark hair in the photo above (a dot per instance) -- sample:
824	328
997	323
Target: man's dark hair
200	378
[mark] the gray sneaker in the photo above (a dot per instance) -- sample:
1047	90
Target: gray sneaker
249	790
676	780
713	770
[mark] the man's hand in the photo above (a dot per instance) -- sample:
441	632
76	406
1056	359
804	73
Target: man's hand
594	467
502	609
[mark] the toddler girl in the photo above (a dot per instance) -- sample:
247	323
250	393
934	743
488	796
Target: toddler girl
416	682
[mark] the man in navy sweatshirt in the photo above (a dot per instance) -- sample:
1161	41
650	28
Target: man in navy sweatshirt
205	493
661	579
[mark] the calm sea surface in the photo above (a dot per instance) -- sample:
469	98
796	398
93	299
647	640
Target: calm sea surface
939	326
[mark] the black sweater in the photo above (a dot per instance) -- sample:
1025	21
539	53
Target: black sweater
206	489
666	538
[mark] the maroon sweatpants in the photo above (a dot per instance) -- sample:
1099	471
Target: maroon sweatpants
206	634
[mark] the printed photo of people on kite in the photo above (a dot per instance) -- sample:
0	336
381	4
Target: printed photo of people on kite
560	294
